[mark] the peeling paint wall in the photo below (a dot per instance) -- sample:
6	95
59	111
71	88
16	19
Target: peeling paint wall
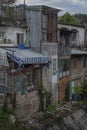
10	33
27	104
34	27
80	33
50	73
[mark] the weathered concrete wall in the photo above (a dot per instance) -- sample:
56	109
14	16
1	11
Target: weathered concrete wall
47	79
80	32
50	78
11	33
34	27
50	83
27	104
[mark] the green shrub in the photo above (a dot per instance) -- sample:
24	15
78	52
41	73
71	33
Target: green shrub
33	127
51	108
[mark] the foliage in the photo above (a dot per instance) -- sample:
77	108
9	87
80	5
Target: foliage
48	97
81	90
5	105
41	95
51	108
78	89
33	127
67	92
68	19
6	125
82	18
84	89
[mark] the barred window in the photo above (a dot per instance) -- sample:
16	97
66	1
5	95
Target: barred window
64	68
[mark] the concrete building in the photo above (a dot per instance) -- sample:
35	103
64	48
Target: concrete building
78	68
50	73
12	35
19	81
64	53
27	68
42	28
42	25
78	35
20	77
71	56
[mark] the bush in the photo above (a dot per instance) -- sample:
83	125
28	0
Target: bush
33	127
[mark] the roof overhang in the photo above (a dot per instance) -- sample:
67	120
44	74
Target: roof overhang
78	52
26	56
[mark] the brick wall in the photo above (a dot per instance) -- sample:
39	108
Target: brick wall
62	86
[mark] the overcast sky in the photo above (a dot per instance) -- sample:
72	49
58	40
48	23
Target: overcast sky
71	6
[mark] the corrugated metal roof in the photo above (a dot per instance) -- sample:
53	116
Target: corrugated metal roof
78	52
26	56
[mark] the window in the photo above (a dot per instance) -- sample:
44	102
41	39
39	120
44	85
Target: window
33	79
44	21
85	62
64	46
64	68
44	36
2	34
20	38
54	66
74	34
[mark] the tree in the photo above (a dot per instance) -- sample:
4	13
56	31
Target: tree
68	19
82	18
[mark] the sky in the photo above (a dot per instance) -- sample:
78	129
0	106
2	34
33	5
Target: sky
71	6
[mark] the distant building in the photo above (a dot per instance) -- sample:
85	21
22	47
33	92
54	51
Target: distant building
78	68
77	36
29	40
12	35
42	27
71	44
64	56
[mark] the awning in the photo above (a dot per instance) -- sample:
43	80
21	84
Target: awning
26	56
78	52
3	58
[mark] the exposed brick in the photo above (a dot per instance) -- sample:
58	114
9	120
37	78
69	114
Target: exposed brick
62	86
